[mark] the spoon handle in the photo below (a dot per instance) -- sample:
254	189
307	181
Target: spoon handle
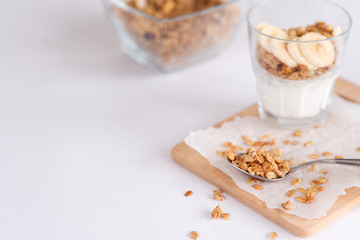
347	162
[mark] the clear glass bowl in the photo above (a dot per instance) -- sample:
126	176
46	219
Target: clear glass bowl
173	43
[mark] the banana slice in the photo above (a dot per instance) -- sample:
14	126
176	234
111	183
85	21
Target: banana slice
263	40
278	48
295	53
320	54
274	46
337	31
261	26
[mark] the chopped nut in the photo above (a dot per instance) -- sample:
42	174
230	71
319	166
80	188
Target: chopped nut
273	235
290	193
228	144
257	186
324	171
313	168
339	157
188	193
297	133
321	180
326	154
313	156
194	235
225	216
216	212
287	205
308	143
296	181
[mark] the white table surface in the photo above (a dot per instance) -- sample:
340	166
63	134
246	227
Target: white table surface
86	133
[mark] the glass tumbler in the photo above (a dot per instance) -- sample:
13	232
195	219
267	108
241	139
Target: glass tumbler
297	48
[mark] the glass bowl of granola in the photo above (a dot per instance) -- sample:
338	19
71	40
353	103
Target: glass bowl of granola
171	34
297	48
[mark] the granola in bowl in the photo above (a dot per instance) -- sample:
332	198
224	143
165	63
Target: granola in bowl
174	33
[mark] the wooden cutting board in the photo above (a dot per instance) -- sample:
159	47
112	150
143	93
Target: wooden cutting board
193	161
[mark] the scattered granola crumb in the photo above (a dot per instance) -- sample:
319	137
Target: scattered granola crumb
287	205
296	181
218	195
220	153
308	143
216	212
286	142
257	186
309	194
301	199
292	162
228	144
290	193
327	154
194	235
321	180
317	126
225	216
238	148
297	133
358	149
313	156
323	171
339	157
294	142
264	137
320	189
273	235
313	168
188	193
303	162
253	180
244	137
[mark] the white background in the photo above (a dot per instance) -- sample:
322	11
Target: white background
86	133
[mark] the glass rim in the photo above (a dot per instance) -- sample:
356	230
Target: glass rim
298	41
123	5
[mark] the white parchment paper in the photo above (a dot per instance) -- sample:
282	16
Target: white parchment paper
340	135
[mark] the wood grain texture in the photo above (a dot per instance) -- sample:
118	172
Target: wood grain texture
193	161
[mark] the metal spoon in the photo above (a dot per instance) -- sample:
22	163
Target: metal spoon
346	162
